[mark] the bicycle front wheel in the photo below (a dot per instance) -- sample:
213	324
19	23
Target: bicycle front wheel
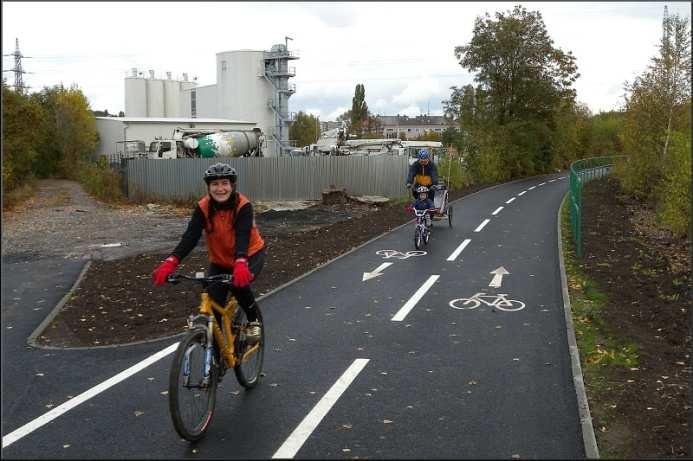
250	356
191	396
418	239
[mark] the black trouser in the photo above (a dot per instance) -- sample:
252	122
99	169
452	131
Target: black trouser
218	292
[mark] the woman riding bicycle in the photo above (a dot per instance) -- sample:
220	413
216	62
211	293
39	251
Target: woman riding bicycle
234	244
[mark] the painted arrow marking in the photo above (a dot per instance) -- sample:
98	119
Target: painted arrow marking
498	277
376	272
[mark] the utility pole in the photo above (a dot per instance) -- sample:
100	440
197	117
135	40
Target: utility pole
18	80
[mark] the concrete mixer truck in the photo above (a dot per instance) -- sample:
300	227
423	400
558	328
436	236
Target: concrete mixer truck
208	143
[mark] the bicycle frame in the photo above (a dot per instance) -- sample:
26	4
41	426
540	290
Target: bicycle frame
223	336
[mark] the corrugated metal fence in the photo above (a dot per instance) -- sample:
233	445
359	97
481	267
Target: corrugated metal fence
279	178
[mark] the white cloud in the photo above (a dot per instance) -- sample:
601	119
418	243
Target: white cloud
336	113
313	112
420	90
411	111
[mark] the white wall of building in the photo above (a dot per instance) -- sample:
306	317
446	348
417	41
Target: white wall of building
207	97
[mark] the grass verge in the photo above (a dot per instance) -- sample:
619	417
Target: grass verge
13	198
600	352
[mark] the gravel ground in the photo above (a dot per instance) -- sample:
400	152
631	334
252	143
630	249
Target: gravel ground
61	220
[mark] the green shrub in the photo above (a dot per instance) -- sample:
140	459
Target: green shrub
452	166
100	180
674	191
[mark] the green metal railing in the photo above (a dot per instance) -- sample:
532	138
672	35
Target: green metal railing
581	172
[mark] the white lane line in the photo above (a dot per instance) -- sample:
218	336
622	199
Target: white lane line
458	250
409	305
551	180
531	187
511	200
497	211
541	184
522	193
299	436
481	226
46	418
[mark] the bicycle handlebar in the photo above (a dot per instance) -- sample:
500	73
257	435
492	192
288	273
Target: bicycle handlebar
220	278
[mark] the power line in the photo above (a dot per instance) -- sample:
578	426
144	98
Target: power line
18	71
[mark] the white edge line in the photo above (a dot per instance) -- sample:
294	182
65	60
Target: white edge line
306	427
481	226
588	438
409	305
532	187
497	211
31	426
511	200
541	184
458	250
522	193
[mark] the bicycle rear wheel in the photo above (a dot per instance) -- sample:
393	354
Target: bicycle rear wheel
250	356
191	398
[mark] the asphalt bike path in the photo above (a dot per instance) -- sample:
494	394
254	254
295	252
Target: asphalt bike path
437	382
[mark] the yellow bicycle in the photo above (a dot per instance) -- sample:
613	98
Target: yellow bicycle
204	355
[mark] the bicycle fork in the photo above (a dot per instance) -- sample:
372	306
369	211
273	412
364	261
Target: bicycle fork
208	356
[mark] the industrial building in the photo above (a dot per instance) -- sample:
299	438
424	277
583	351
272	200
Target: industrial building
114	130
250	85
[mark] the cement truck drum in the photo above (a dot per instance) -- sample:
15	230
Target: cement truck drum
227	144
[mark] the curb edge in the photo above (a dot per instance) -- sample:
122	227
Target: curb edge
588	437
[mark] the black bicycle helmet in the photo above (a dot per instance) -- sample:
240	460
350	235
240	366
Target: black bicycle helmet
220	171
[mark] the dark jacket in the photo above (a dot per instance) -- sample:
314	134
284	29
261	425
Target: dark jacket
419	172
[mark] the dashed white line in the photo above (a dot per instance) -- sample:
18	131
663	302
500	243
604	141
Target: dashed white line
552	180
46	418
511	200
497	211
522	193
481	226
409	305
458	250
299	436
542	184
531	187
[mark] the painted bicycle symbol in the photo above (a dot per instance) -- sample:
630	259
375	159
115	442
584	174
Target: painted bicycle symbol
390	254
499	301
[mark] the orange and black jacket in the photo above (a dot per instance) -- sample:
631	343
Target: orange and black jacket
423	175
230	233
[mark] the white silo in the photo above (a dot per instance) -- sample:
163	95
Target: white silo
253	85
243	92
155	96
135	96
172	94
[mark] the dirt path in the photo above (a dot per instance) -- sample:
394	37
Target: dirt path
62	220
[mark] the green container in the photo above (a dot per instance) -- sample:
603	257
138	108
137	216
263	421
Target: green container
206	147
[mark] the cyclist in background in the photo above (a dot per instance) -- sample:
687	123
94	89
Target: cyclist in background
234	244
423	173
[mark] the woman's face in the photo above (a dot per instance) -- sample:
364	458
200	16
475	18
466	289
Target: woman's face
220	189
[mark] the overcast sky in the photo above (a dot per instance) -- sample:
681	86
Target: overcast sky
402	52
